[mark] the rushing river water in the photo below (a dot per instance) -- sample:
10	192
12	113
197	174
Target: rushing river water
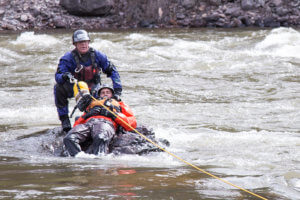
227	100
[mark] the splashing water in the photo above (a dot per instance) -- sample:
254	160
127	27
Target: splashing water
227	100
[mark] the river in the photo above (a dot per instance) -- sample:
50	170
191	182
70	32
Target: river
228	101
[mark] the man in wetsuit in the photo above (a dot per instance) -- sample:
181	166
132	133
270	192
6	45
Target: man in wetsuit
97	123
85	64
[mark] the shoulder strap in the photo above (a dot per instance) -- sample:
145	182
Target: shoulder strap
78	65
97	78
93	58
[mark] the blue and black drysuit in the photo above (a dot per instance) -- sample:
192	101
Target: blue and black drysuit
89	66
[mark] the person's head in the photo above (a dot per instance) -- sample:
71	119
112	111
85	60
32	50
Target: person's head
106	91
81	41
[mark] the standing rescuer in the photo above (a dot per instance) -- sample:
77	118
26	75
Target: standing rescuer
85	64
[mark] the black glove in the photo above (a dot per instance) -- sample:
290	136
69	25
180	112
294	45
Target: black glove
117	95
84	102
97	110
94	90
120	130
93	112
106	113
67	76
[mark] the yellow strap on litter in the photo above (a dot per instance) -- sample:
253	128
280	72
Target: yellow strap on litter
186	162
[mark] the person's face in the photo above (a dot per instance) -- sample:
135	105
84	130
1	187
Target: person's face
105	92
82	47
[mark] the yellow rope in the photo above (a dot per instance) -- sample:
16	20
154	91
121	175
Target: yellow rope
177	157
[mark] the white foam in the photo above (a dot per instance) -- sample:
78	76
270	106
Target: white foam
282	42
29	116
30	40
239	151
8	56
85	156
104	45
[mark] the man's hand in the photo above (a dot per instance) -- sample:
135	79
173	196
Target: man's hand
93	112
108	114
67	76
84	102
97	110
117	95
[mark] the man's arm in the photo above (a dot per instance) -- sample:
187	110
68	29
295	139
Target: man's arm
64	67
127	116
110	70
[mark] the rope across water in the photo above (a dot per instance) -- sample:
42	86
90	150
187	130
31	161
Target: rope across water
186	162
175	156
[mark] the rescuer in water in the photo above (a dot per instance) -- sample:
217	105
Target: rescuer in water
85	64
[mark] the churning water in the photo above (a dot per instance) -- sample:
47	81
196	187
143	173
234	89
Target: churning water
227	100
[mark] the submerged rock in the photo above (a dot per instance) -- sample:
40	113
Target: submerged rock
123	143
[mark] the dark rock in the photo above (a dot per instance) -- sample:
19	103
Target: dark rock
4	3
212	18
221	22
6	26
247	4
233	11
214	2
271	22
282	11
184	22
146	24
123	143
251	4
296	12
2	12
59	22
35	11
133	143
258	22
188	4
180	16
277	2
261	2
245	20
236	23
294	20
88	7
198	22
295	3
283	20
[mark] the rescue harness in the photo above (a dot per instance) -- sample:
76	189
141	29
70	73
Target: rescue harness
89	74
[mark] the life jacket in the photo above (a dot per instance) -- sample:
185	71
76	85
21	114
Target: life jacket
125	115
112	104
89	74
